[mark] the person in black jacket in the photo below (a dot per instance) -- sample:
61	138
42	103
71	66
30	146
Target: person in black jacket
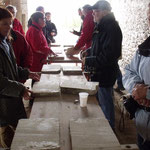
11	90
102	58
50	28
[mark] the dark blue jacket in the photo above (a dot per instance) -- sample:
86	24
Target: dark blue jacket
105	51
11	91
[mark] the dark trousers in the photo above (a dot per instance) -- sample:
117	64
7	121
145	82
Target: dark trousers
143	145
105	99
119	78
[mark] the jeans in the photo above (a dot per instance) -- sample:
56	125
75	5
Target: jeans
105	99
119	78
143	145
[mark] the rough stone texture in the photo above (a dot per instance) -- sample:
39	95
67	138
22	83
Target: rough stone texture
51	69
46	88
72	70
76	84
92	134
132	17
39	134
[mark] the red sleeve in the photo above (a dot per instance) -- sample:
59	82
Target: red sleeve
22	51
28	56
87	31
17	26
37	41
20	28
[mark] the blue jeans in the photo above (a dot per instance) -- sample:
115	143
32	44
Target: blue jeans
143	145
119	78
105	99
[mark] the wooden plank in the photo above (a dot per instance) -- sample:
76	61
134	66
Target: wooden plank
65	109
94	133
129	147
37	134
55	45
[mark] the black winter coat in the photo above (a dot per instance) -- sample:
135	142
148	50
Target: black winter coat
11	91
50	27
105	51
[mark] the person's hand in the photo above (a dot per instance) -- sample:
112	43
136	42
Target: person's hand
139	91
72	31
83	54
52	53
27	94
143	102
71	51
35	76
53	33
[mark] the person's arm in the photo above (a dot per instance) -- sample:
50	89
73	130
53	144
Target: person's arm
23	73
86	33
111	49
38	43
26	55
9	87
54	29
131	77
21	29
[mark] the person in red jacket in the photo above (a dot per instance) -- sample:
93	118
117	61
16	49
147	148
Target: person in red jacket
16	23
85	38
21	49
38	42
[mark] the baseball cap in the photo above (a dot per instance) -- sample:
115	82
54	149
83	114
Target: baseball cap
102	5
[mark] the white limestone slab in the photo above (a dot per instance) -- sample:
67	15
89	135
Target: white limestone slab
37	134
46	88
92	134
51	69
77	84
72	70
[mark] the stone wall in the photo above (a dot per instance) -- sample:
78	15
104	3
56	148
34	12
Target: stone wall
2	4
132	17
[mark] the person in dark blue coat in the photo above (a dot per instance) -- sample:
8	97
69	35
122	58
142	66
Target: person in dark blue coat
11	90
101	60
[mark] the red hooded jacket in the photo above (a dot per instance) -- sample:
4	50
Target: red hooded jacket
39	46
17	26
22	50
85	39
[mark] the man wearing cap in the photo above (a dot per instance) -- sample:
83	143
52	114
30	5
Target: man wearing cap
101	59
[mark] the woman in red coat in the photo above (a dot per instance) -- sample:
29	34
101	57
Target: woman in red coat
38	42
16	23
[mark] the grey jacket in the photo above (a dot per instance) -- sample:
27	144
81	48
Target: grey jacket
138	71
11	91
